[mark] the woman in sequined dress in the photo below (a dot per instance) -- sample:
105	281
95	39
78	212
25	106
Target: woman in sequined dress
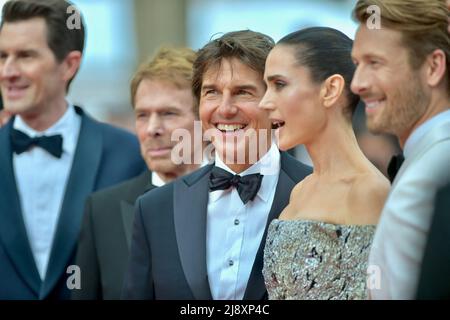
318	248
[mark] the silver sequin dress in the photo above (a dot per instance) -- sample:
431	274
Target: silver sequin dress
312	260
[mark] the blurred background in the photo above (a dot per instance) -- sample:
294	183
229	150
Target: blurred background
121	34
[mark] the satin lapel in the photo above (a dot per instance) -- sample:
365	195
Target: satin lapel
138	187
13	234
190	207
80	184
256	288
127	212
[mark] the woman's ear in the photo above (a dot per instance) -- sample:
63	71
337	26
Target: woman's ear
332	89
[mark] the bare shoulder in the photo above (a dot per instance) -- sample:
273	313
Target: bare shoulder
367	197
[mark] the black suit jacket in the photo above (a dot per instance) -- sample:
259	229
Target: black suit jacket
168	251
434	280
104	156
105	237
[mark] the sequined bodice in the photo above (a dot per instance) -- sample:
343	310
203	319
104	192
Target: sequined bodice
316	260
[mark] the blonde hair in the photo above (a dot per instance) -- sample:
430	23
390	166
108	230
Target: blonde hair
173	65
423	24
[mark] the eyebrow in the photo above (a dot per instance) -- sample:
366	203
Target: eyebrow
239	87
159	109
273	77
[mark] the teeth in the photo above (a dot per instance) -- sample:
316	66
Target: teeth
373	104
277	124
230	127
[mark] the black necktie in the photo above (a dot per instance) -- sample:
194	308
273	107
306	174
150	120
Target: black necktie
21	142
394	166
247	186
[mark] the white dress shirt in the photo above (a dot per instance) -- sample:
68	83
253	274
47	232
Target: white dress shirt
41	181
399	242
234	230
157	181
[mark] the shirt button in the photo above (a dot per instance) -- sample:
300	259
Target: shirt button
231	263
236	222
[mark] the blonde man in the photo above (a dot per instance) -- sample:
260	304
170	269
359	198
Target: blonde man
162	99
403	77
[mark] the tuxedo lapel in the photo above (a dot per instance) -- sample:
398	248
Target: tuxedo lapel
13	234
256	288
127	213
190	211
80	184
140	185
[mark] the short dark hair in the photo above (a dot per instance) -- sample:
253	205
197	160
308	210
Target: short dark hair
325	52
249	47
60	38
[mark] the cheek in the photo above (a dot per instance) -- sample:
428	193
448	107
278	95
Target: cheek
205	115
141	131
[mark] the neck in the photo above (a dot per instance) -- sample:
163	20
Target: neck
45	117
335	151
435	107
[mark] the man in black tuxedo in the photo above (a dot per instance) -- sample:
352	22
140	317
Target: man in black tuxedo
206	238
162	102
53	155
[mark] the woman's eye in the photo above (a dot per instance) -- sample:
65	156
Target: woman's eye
279	84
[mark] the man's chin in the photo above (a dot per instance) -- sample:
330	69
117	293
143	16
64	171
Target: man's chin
159	164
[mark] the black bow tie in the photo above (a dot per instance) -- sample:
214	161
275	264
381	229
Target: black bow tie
247	186
394	166
21	142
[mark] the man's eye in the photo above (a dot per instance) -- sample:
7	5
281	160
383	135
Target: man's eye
141	115
243	92
209	92
169	113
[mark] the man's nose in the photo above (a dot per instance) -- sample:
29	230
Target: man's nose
155	125
227	108
9	68
360	81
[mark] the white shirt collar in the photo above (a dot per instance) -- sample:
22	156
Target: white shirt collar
420	131
66	126
156	180
268	166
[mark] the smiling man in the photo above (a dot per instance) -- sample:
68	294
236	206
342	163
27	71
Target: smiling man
163	102
206	240
403	77
53	155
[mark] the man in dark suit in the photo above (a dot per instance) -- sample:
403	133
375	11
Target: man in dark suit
206	239
162	102
434	280
52	155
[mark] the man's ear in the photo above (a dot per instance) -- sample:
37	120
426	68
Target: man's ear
71	64
332	90
436	65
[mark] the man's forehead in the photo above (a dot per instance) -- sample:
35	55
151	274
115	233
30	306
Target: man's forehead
230	70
